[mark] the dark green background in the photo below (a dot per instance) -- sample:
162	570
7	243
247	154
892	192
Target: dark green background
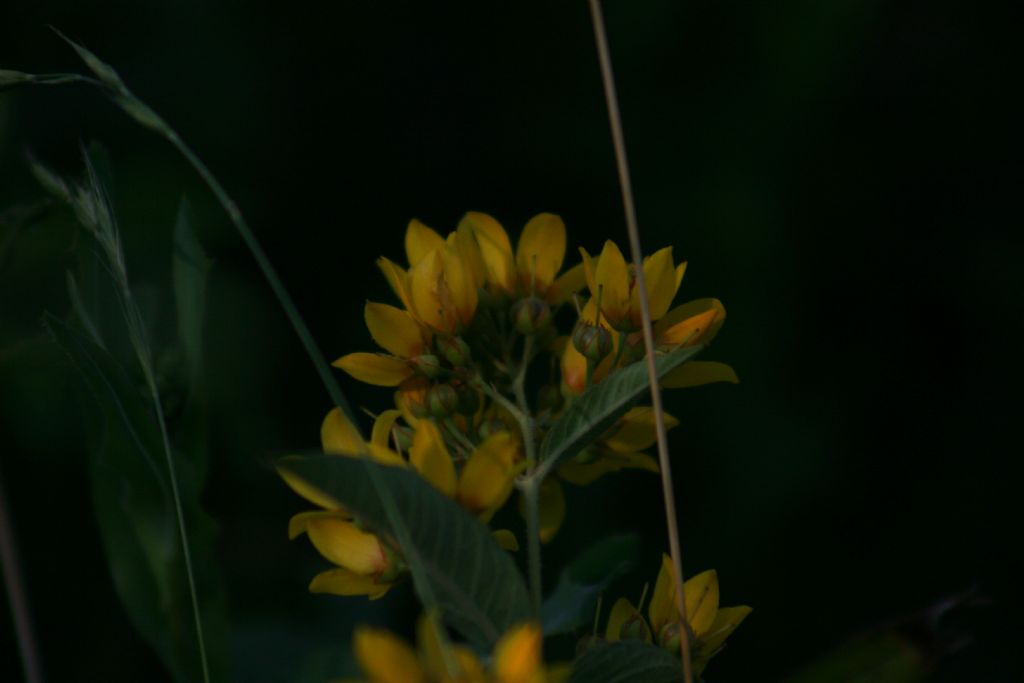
839	173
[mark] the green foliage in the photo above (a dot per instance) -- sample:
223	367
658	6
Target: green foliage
885	657
571	604
626	661
136	515
476	584
601	405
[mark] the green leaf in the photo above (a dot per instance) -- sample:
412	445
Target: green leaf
571	604
475	582
626	661
190	268
886	657
103	71
136	516
601	405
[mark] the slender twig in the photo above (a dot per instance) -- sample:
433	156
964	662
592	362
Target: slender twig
17	596
604	56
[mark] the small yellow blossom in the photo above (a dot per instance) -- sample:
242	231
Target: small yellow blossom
609	277
385	658
707	625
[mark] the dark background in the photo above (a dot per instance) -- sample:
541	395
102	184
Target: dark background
839	173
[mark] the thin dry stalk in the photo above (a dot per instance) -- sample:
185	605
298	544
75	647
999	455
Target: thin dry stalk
604	56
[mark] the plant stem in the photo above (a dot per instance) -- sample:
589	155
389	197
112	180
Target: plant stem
622	164
530	490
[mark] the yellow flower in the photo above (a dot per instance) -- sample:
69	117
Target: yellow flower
385	658
533	268
364	566
610	277
707	624
395	331
619	448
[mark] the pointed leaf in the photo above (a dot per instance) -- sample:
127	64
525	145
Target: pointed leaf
136	517
572	602
626	661
476	583
602	404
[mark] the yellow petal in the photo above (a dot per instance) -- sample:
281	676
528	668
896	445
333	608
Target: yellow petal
431	298
517	656
495	249
582	474
552	508
411	399
660	276
680	271
488	476
344	544
701	595
394	330
506	539
374	368
298	523
567	284
623	612
465	243
695	322
726	621
338	435
381	434
311	493
540	252
663	609
696	373
611	280
461	288
429	456
420	241
385	456
636	431
397	278
341	581
385	658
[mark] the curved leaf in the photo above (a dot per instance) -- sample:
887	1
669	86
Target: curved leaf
601	405
476	583
572	601
626	661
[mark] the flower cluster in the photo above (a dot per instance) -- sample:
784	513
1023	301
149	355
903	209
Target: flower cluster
486	347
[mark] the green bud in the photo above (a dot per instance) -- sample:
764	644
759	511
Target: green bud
635	628
428	365
395	565
442	400
593	341
670	637
549	397
455	350
587	456
531	315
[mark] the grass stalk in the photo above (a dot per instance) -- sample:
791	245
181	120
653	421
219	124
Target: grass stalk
622	164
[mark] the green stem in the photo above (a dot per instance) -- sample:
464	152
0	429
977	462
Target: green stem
530	490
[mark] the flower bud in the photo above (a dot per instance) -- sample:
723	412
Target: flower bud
549	397
428	364
593	341
635	628
394	565
442	400
670	637
412	394
455	350
587	456
531	315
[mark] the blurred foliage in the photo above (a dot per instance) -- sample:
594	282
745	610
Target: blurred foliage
837	173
